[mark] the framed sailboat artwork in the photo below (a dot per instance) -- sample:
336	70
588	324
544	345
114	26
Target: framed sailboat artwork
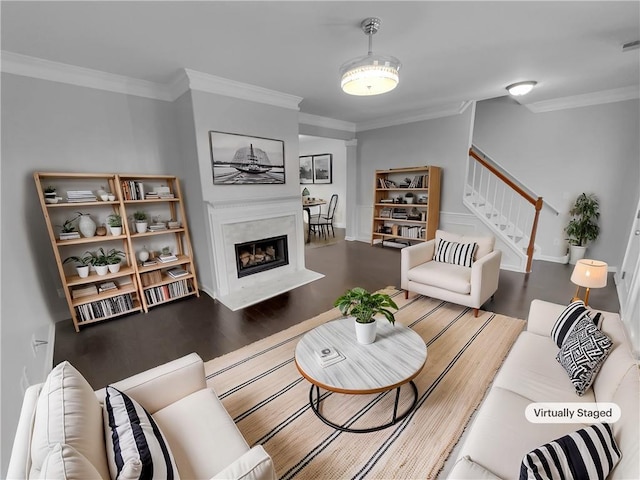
244	160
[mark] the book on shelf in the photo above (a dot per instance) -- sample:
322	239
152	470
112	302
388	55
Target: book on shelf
177	272
328	356
69	236
84	291
155	227
79	196
149	263
166	258
149	278
106	286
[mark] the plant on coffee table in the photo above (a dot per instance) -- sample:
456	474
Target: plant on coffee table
363	305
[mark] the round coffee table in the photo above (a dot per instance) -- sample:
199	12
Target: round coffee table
394	359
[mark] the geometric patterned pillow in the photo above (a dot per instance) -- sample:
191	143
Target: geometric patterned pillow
583	352
455	253
136	448
566	320
589	453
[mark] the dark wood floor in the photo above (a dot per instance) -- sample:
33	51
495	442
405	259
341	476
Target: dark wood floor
109	351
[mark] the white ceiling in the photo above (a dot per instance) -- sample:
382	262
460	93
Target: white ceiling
451	51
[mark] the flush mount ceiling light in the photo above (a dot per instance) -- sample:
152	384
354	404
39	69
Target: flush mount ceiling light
521	88
371	74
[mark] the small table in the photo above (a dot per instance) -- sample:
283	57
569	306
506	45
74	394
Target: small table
306	206
394	359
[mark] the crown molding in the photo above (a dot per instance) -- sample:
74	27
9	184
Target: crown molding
585	100
326	122
448	110
27	66
230	88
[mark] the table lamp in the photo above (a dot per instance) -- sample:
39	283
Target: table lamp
589	274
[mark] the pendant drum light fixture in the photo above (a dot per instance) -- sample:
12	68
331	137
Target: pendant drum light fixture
370	74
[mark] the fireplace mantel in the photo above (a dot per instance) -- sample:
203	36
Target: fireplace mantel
234	222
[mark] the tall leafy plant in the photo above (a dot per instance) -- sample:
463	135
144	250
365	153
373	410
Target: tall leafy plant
363	305
583	226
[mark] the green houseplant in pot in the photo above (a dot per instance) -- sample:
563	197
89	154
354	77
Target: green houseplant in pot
363	306
82	263
114	257
115	224
141	220
583	225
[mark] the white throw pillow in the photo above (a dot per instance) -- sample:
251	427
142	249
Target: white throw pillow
136	448
68	412
66	463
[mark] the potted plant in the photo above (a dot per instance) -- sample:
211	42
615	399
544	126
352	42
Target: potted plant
363	306
83	263
50	194
115	224
408	197
100	262
141	220
583	225
114	257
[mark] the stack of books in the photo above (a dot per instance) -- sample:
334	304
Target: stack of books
163	192
155	227
79	196
177	272
69	235
166	258
106	286
328	356
84	291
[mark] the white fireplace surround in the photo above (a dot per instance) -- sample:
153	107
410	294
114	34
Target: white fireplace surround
233	222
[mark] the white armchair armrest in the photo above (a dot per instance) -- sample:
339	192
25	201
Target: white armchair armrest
484	276
256	464
165	384
542	316
413	256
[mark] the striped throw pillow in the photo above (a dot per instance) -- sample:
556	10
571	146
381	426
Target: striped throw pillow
589	453
567	319
455	253
136	448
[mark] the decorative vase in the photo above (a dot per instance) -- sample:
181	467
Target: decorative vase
101	269
143	255
141	227
83	272
365	332
87	226
116	231
114	267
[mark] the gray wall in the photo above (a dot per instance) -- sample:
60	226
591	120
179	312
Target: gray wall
48	126
563	153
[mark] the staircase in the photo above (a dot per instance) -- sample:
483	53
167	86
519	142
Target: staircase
503	204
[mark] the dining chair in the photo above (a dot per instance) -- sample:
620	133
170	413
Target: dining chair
323	222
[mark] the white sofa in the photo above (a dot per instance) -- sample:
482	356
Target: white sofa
500	436
469	286
64	424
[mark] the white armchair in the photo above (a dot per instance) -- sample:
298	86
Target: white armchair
470	286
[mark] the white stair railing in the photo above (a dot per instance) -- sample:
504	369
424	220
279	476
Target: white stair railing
503	204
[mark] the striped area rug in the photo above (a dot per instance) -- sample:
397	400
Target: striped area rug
262	390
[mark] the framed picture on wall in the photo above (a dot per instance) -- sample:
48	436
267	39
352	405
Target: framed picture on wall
322	168
245	160
306	169
316	168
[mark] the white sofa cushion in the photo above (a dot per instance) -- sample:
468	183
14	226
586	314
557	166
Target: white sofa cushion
136	447
531	370
466	469
65	463
485	244
442	275
589	453
68	412
256	464
203	437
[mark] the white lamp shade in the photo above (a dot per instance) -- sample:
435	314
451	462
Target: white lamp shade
590	274
370	75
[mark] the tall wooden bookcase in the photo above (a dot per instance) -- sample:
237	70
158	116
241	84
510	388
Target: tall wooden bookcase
87	298
395	220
